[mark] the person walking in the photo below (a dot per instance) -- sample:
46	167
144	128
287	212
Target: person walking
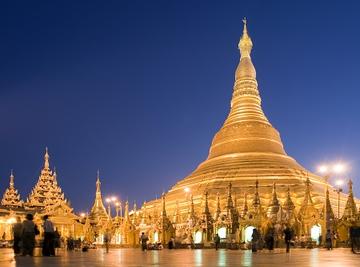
107	239
49	243
287	237
28	235
270	239
143	241
217	241
255	239
328	240
17	230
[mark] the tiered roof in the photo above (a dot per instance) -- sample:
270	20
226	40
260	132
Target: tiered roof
46	192
11	197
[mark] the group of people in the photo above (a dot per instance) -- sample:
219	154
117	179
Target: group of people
24	236
270	239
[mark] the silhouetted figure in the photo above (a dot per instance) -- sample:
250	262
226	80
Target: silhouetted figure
255	239
171	243
270	239
143	240
287	237
28	236
57	240
217	241
17	230
328	239
107	239
48	244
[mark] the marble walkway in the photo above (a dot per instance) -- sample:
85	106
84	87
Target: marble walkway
185	257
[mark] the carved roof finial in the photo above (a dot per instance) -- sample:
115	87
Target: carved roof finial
46	159
245	44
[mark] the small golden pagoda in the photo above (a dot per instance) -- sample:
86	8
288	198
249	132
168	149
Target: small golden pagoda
11	197
98	212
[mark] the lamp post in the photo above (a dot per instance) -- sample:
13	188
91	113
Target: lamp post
339	183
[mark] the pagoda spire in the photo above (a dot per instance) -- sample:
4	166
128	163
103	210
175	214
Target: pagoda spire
46	159
350	210
218	209
126	210
206	208
163	213
98	211
246	118
329	211
245	208
256	202
192	210
11	197
274	205
176	217
288	204
230	203
11	183
245	43
307	198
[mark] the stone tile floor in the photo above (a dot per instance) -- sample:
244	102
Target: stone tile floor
183	257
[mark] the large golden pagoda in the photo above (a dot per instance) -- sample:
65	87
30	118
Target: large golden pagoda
248	180
247	147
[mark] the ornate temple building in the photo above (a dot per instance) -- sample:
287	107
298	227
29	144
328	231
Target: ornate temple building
247	181
45	198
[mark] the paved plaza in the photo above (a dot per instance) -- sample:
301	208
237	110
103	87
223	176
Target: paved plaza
184	257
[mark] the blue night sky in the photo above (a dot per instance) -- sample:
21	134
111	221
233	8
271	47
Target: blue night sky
137	89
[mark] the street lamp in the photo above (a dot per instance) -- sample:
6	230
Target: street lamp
339	183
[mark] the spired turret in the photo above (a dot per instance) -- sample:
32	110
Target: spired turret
11	197
350	211
98	212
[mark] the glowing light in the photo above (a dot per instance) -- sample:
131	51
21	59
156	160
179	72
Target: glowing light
248	233
82	214
339	168
108	200
117	204
315	233
222	232
339	182
11	220
113	198
187	189
323	169
198	237
156	237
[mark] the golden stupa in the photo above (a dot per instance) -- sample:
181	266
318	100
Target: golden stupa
247	147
